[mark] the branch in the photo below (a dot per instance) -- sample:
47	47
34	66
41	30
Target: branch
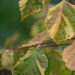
72	2
42	45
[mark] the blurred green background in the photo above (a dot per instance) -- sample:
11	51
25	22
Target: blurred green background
10	21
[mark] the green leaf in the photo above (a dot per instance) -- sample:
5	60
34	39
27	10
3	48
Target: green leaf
18	54
11	41
73	73
7	59
37	28
54	61
27	7
60	21
65	71
56	65
33	63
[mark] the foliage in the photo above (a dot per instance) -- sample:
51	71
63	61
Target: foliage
34	62
68	56
7	59
47	53
60	21
27	7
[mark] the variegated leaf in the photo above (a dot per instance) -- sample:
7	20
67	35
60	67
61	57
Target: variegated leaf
7	59
27	7
33	63
60	21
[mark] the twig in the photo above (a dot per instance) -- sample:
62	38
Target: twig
56	45
72	2
42	45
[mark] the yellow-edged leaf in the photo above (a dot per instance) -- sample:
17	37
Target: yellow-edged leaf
27	7
60	21
7	59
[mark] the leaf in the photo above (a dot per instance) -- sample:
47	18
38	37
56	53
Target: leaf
33	63
54	61
60	21
11	41
65	71
18	54
7	59
38	28
69	56
39	38
56	65
73	73
27	7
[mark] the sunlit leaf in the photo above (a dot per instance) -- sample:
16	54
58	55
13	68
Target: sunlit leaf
33	63
60	21
27	7
7	59
39	38
69	56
